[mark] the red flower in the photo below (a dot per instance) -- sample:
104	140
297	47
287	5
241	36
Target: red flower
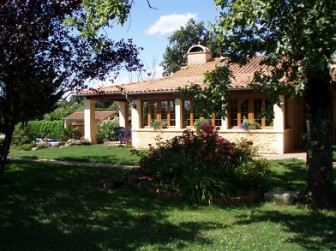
207	128
209	156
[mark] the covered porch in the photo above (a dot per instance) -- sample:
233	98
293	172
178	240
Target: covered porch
281	135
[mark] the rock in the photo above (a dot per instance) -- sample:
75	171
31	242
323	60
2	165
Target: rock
285	197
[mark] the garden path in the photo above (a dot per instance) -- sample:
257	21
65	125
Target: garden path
296	155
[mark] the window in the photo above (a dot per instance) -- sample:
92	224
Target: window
189	116
163	111
188	113
216	120
249	108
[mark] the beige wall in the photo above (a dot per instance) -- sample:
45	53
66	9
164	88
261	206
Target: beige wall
270	140
266	140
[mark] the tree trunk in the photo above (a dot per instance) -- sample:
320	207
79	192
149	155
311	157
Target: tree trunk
4	147
319	182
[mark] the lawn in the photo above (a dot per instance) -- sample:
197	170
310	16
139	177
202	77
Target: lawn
91	153
50	207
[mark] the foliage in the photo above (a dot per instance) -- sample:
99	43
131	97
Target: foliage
41	58
214	96
199	123
23	134
27	147
248	124
99	13
45	128
70	132
64	109
106	130
158	125
114	107
181	40
299	43
205	167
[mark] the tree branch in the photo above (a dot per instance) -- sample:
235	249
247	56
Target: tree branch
150	6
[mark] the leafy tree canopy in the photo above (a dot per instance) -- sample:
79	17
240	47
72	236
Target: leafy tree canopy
299	40
181	40
41	58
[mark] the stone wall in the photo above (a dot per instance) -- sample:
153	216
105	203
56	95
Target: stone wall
266	140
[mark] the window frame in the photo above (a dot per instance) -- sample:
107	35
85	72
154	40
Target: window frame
251	111
192	116
171	116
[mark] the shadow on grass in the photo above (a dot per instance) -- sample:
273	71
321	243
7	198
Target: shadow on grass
311	230
49	207
289	175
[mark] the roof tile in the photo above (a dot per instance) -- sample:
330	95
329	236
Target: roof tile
191	74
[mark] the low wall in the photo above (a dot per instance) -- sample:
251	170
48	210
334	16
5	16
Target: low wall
266	140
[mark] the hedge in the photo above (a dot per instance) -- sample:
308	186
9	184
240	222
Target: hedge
51	129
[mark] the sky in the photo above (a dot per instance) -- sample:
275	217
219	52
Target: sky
150	29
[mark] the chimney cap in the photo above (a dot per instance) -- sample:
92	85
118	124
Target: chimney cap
198	48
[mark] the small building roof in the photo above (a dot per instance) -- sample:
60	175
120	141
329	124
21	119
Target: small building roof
99	115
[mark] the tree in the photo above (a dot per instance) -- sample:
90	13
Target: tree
41	58
65	108
181	40
298	38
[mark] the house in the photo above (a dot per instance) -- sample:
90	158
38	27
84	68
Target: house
76	119
156	100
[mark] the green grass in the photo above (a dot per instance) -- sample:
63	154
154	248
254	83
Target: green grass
287	176
50	207
91	153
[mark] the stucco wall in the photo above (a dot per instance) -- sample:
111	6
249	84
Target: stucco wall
266	140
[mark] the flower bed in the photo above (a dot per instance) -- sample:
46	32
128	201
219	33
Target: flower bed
202	167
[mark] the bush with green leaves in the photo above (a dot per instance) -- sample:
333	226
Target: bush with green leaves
105	130
50	129
205	167
27	147
71	132
23	134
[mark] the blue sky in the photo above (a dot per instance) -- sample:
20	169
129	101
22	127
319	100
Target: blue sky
150	28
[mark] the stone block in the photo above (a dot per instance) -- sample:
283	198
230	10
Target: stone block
285	197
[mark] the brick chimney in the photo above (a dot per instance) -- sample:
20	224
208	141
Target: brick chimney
198	54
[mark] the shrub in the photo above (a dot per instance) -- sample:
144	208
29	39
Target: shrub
23	134
51	129
27	147
204	166
105	131
70	132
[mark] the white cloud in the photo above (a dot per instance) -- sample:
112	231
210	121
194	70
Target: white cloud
170	23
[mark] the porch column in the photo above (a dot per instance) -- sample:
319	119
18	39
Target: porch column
224	126
136	114
123	114
279	126
178	113
279	115
89	120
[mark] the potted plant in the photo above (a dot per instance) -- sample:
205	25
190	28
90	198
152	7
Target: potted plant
248	124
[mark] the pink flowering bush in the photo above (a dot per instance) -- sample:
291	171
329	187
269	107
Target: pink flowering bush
202	167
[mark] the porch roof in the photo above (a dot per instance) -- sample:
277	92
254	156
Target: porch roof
191	74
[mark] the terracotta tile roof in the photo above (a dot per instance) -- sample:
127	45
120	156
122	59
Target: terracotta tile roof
99	115
191	74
